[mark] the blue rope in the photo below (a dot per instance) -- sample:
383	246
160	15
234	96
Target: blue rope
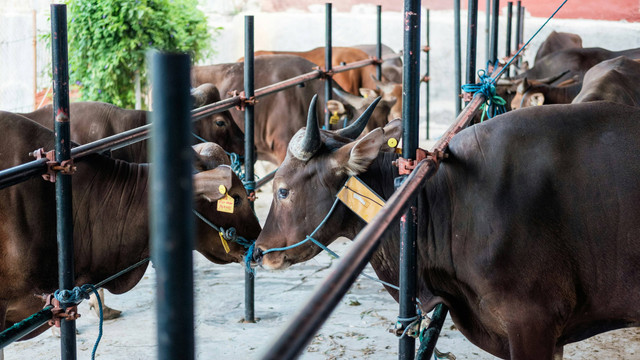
236	164
198	137
75	297
229	234
486	85
247	259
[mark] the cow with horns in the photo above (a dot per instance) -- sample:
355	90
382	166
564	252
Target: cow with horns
527	232
111	230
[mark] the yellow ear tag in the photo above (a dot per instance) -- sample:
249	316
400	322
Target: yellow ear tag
226	204
365	95
225	245
222	189
358	197
334	118
392	142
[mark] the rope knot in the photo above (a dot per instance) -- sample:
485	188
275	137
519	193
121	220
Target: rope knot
236	164
229	234
486	86
71	297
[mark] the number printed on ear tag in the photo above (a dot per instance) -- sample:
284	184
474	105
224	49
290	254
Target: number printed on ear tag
334	118
226	204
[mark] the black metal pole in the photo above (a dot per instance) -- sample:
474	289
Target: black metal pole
426	81
518	29
25	327
249	156
432	332
64	205
172	227
507	51
379	41
408	229
457	57
494	32
487	31
472	40
327	64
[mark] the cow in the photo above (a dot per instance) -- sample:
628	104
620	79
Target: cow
111	230
352	80
277	116
557	41
92	121
527	232
539	92
351	107
614	80
391	69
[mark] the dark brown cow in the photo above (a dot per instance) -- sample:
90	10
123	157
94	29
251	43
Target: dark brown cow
616	80
111	230
539	92
527	232
92	121
277	116
351	107
558	41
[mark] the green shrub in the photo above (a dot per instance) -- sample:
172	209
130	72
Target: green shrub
108	41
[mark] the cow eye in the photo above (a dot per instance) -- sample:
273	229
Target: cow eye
283	193
237	200
220	123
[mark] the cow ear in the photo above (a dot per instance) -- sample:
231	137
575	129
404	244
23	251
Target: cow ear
536	99
209	155
336	106
368	93
355	157
206	184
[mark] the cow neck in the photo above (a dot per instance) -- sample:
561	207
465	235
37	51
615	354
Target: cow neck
562	95
111	217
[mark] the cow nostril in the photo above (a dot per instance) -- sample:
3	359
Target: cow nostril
257	255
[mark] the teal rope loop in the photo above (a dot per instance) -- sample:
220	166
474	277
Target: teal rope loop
488	89
229	234
247	259
75	297
237	163
249	185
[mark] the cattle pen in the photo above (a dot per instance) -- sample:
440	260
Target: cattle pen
289	344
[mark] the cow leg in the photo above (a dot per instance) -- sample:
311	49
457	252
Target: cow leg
531	340
107	312
559	353
3	326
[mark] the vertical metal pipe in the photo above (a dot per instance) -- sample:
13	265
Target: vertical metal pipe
457	57
64	206
518	28
379	41
521	38
494	32
249	155
507	51
327	64
410	116
427	74
172	227
472	40
487	32
35	59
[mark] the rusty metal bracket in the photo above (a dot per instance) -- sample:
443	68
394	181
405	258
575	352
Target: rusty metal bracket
425	78
426	48
406	166
68	314
252	196
66	167
466	96
376	60
244	101
324	74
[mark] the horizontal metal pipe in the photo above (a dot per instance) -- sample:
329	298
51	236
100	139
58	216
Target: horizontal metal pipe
282	85
22	172
315	312
216	107
26	326
265	179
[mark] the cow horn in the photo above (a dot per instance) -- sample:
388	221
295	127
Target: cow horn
353	100
551	79
304	148
355	129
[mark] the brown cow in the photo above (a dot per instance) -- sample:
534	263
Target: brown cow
92	121
523	232
111	230
558	41
351	107
616	80
391	69
352	80
277	116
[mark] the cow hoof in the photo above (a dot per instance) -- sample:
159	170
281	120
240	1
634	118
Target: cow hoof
107	312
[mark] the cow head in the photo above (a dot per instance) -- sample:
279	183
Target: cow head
532	92
391	91
316	166
218	128
212	184
352	107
